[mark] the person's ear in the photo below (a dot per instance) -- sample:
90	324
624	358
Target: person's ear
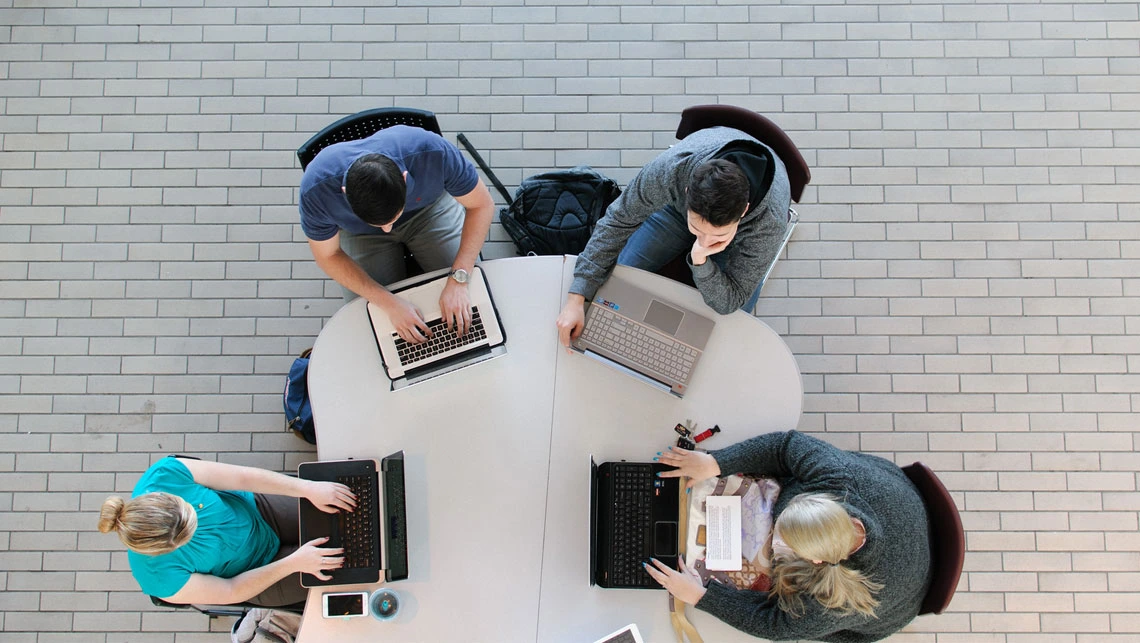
746	208
405	175
343	190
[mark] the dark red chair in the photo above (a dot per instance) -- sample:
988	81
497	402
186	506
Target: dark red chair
700	117
947	538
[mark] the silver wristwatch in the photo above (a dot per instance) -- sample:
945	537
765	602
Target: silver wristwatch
459	275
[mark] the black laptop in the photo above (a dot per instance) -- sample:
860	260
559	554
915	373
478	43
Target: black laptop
633	516
374	536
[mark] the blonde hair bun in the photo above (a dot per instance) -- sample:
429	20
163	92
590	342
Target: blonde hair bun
152	524
110	513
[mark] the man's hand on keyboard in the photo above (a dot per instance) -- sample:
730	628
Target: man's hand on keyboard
455	306
406	319
572	319
330	497
313	559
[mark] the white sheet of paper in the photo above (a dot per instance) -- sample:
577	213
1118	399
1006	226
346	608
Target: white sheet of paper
627	634
722	533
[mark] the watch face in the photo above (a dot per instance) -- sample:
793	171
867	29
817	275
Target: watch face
459	275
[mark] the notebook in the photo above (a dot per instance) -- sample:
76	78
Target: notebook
375	535
643	335
633	516
445	351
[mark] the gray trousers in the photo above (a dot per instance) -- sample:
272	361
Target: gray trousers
283	515
432	236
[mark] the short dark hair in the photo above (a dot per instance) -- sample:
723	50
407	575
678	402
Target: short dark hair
375	189
718	192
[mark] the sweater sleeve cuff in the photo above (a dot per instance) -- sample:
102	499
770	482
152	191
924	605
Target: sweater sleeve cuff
704	270
582	286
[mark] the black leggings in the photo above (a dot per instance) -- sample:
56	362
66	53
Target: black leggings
281	512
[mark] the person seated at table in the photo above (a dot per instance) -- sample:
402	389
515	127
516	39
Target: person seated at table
364	201
719	196
851	555
208	532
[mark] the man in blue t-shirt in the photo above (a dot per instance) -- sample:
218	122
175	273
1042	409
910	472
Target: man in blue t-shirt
364	201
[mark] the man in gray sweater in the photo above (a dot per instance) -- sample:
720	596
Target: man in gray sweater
719	196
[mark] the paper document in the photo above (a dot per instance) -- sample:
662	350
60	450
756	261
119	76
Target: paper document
627	634
722	553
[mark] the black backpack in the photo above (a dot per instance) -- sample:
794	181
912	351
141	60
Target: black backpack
554	213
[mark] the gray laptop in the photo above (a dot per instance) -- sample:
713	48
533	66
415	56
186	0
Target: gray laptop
446	351
654	340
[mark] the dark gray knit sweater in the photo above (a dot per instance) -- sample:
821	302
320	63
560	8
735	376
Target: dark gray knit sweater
663	182
896	554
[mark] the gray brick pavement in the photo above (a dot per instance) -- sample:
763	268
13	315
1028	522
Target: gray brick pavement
962	288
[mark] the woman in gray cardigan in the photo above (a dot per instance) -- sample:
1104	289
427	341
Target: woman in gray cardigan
851	546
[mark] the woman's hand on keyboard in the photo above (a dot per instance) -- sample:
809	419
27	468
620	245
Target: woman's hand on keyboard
330	497
684	585
313	559
696	465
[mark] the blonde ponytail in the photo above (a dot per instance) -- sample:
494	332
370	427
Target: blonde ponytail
816	527
152	524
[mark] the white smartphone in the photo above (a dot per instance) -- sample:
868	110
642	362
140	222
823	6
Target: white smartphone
345	604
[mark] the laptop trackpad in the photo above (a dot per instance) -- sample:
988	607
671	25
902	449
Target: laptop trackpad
665	538
663	317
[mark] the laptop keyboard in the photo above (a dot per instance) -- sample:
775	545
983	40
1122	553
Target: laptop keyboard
640	344
355	527
632	524
441	341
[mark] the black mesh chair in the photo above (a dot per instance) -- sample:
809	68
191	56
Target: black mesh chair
947	538
362	125
236	610
365	124
699	117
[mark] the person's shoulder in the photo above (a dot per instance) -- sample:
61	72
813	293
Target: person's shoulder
409	137
167	474
161	575
332	161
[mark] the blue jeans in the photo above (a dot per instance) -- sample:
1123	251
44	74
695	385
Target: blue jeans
663	237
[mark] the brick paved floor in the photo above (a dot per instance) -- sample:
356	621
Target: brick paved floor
963	288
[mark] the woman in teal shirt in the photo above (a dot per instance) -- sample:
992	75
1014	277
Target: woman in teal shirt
208	532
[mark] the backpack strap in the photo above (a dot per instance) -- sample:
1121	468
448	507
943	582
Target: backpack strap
681	625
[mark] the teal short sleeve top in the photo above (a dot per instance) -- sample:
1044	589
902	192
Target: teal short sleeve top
231	536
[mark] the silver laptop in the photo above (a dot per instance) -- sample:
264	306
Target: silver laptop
656	341
445	351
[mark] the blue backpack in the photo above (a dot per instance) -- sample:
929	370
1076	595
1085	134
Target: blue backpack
298	411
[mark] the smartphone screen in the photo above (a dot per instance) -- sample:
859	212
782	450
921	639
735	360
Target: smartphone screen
344	604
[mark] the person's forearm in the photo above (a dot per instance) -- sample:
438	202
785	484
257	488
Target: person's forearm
476	224
265	482
720	291
349	274
248	584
